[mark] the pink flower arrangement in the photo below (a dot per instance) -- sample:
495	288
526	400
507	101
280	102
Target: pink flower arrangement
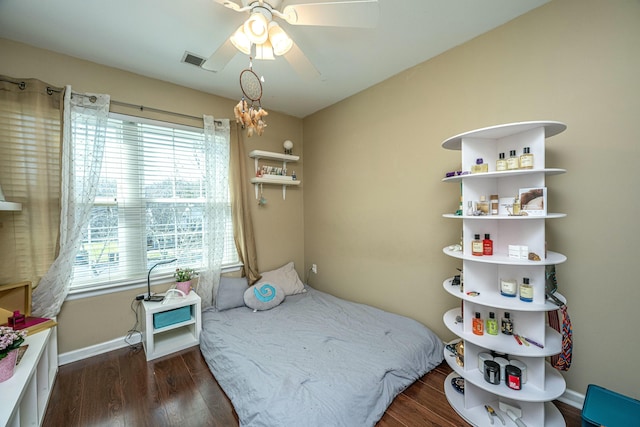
10	340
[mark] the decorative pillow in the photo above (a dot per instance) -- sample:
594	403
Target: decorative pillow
231	292
264	296
285	277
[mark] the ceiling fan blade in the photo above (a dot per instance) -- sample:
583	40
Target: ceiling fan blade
228	3
220	57
354	13
301	64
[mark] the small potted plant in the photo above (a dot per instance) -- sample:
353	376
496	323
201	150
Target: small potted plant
10	340
183	277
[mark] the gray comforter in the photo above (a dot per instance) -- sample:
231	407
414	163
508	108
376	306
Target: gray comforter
315	360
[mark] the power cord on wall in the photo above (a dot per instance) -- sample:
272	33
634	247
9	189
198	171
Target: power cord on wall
308	275
134	330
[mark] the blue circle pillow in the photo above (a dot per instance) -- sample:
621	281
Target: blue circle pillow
263	296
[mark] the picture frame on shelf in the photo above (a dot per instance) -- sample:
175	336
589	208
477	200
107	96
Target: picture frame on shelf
533	201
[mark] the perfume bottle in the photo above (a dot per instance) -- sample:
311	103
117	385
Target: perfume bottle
494	204
516	206
480	166
526	290
501	163
483	206
470	208
478	325
513	162
492	324
459	211
508	288
526	159
487	245
507	324
476	246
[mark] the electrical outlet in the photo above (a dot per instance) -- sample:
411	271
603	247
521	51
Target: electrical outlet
314	268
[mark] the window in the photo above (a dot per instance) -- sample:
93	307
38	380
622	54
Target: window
148	206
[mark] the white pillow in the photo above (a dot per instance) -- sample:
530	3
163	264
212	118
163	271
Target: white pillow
285	277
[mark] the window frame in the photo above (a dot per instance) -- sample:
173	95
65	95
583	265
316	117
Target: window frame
85	290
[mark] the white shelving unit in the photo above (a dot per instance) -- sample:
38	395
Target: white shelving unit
25	395
159	342
285	181
482	276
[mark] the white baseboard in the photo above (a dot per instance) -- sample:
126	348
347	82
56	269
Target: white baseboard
572	398
94	350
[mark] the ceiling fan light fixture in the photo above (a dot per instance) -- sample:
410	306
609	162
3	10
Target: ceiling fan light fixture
280	41
256	28
264	51
241	41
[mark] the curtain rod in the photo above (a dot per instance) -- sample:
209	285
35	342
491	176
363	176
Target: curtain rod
23	85
50	90
143	108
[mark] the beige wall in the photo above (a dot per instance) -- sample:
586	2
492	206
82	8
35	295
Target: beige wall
278	226
374	196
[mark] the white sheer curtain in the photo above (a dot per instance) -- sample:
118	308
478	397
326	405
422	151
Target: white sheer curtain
217	207
83	139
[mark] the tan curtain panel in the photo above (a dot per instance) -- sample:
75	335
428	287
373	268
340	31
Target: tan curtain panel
30	134
240	199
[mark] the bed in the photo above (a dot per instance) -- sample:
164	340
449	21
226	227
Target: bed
315	360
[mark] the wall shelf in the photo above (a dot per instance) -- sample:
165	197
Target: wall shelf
10	206
285	181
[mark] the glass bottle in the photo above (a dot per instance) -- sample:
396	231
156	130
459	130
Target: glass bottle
507	324
526	290
476	246
483	206
513	162
501	163
526	159
487	245
516	205
478	325
470	208
492	324
508	288
480	166
494	203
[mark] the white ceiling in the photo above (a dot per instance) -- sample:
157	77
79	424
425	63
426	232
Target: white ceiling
150	37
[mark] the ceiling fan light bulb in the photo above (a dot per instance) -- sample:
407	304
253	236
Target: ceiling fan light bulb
256	28
264	51
240	40
280	41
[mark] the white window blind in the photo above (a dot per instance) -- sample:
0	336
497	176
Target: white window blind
148	206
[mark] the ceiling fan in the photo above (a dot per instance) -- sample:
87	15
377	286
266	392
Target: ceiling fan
261	37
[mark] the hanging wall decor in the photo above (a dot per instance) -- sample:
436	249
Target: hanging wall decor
249	112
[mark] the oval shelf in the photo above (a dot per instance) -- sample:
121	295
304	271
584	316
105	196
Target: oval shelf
505	343
477	415
499	301
502	217
551	128
551	259
554	383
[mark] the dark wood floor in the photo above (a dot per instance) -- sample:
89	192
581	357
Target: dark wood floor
121	388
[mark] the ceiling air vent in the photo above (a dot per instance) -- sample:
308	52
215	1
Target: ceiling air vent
192	59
